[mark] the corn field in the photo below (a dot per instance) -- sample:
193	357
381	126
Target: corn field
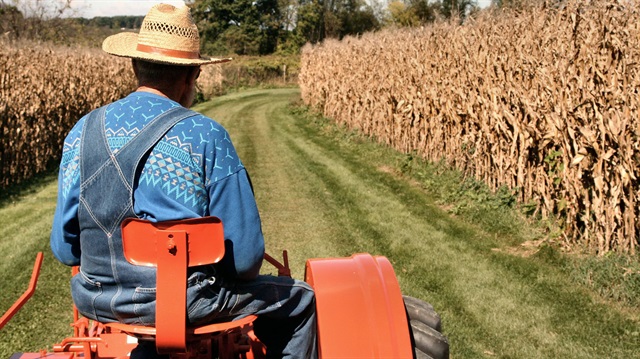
544	101
209	83
45	90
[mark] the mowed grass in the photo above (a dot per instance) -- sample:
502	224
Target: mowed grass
325	192
25	224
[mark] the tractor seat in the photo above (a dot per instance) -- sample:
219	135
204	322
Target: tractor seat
173	247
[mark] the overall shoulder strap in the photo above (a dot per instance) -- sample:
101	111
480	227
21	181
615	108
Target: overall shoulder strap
132	152
113	174
94	150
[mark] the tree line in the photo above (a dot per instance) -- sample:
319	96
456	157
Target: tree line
258	27
242	27
113	22
57	22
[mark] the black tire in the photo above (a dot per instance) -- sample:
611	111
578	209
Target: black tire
422	311
428	342
420	355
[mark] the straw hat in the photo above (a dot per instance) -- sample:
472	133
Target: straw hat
168	35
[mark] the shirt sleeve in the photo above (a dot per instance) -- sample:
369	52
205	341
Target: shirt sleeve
232	200
65	232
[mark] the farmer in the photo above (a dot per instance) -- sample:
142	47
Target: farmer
148	156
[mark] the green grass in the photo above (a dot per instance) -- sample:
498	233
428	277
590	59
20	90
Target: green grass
25	223
500	284
332	193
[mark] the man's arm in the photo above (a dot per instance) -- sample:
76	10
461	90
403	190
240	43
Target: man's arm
65	232
232	200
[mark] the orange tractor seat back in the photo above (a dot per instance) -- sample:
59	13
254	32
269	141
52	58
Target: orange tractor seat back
173	247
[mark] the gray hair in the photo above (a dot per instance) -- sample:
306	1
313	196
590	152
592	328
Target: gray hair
154	74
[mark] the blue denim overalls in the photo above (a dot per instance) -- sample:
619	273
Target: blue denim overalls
108	288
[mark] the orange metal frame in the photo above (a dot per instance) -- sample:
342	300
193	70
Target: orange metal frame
178	246
360	310
26	295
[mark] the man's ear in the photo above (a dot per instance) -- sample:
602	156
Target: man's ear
193	74
135	68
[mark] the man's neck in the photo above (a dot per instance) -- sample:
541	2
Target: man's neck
153	91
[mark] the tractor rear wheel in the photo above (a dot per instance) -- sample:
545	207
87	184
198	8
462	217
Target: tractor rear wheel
425	327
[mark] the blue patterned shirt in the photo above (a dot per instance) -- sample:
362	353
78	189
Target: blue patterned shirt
192	171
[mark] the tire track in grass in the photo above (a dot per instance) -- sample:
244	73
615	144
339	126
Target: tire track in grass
372	220
25	225
507	298
321	197
368	216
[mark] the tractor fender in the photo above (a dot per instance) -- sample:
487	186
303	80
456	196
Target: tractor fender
360	310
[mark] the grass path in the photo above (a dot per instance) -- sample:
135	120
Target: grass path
323	193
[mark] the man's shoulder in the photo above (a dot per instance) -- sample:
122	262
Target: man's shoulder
205	124
73	136
138	104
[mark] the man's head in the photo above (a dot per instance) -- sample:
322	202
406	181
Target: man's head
165	54
168	35
177	82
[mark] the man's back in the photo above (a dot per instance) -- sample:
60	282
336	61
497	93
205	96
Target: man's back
171	168
183	176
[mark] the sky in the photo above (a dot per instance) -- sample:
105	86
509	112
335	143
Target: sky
91	8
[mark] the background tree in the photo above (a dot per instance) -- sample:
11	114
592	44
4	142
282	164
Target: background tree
308	25
460	8
420	12
401	15
243	27
519	4
426	11
412	12
508	3
258	27
34	19
348	17
10	20
356	18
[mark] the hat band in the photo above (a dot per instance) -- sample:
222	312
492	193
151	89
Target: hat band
167	52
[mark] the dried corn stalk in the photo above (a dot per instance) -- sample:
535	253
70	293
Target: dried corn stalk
544	101
43	92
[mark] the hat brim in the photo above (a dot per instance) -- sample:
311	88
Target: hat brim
124	44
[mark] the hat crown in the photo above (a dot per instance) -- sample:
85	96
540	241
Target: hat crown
168	27
168	35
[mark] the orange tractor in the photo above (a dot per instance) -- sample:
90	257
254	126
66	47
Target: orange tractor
361	312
